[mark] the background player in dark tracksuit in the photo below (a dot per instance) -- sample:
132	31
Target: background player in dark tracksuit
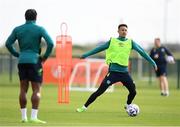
30	62
161	55
117	56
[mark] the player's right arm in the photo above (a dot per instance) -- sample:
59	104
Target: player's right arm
98	49
151	54
9	43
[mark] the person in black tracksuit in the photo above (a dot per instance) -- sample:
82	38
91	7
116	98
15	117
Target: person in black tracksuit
161	55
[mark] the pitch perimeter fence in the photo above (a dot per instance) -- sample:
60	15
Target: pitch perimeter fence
138	68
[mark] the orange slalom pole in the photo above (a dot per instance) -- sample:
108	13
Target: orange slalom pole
64	62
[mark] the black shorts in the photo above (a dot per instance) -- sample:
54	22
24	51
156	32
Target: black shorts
31	72
113	77
162	71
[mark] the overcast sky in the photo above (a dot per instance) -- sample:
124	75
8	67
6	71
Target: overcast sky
97	20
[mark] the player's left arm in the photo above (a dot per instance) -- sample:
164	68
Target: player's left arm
167	51
170	57
49	43
141	51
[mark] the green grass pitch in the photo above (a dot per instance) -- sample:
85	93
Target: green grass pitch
107	110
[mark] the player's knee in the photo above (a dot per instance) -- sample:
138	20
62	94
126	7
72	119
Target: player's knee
38	94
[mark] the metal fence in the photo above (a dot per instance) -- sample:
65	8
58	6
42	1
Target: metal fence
8	65
144	71
139	68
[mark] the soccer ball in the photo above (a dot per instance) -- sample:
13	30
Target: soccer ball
170	59
133	110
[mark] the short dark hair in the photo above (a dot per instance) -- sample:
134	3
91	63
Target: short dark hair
120	25
30	14
157	38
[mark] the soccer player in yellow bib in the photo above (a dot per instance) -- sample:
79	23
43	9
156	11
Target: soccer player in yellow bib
117	57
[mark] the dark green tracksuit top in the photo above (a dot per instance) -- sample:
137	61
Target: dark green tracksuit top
29	37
